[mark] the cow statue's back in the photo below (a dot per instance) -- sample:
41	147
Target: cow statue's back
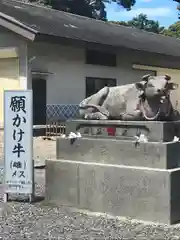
148	99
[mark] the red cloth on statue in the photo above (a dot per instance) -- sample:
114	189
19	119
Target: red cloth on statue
111	131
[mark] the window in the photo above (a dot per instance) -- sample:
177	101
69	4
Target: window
100	58
93	85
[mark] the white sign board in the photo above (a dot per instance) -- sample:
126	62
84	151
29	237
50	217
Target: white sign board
18	142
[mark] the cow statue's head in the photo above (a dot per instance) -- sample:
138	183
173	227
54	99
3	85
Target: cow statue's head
155	96
156	86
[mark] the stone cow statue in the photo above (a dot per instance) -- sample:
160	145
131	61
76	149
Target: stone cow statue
148	99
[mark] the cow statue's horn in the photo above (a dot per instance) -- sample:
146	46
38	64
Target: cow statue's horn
167	77
146	77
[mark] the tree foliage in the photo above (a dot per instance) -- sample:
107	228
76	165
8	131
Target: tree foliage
142	22
173	30
123	23
89	8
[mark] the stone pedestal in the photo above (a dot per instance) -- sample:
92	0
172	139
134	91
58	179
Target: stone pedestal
126	130
117	176
164	155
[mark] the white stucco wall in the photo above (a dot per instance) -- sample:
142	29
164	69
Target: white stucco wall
13	65
11	40
67	83
123	72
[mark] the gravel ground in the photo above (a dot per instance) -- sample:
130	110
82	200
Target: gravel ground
37	221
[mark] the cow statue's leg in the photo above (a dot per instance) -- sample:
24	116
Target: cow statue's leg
96	116
133	116
94	104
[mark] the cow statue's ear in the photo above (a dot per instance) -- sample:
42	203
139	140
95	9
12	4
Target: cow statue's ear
172	86
140	85
146	77
167	77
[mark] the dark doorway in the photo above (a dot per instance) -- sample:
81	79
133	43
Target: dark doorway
39	101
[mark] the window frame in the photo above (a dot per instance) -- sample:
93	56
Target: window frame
93	79
97	57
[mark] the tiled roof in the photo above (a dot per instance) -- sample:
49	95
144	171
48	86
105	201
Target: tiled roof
53	23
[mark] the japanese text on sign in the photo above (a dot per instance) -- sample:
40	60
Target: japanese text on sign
18	141
18	104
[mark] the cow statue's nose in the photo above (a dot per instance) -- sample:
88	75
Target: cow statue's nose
159	90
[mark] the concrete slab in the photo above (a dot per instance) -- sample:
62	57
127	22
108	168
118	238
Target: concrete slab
155	155
61	183
142	193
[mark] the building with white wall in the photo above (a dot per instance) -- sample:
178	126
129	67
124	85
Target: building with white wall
64	57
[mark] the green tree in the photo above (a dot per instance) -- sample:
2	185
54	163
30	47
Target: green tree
142	22
173	30
123	23
89	8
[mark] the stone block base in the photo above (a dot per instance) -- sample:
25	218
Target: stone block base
142	193
164	155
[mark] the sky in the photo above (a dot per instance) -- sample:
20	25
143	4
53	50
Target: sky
162	10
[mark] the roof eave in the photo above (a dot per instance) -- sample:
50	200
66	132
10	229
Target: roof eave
17	27
40	37
33	35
